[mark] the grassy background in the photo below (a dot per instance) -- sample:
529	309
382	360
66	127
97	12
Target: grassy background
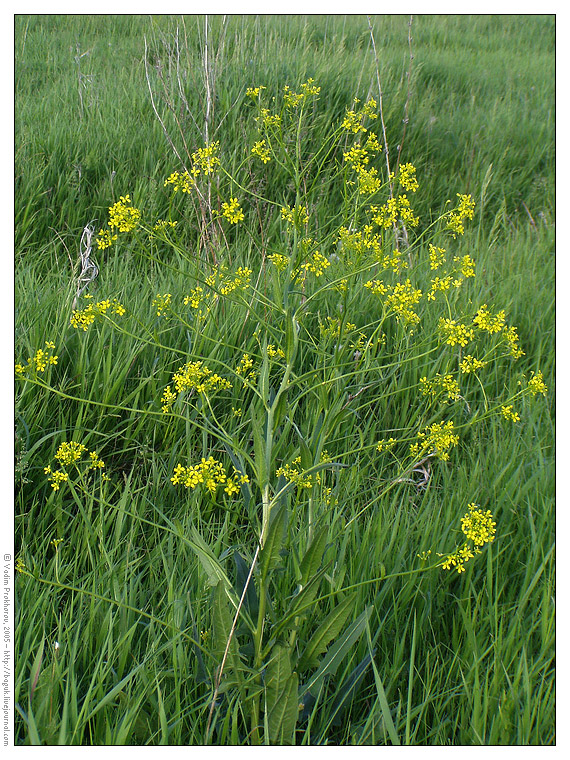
465	660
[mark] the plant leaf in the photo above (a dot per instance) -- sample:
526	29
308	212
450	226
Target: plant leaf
269	555
328	630
314	555
334	657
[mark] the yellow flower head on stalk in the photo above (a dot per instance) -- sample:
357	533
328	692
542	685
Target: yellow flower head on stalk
268	119
487	322
407	177
71	454
279	261
509	414
512	340
193	376
183	182
454	333
40	361
260	150
209	473
402	300
536	384
163	224
436	256
440	384
105	239
122	216
436	439
439	285
232	211
470	364
466	265
254	92
478	526
385	444
356	157
368	181
83	318
479	529
296	216
294	473
206	159
162	303
464	210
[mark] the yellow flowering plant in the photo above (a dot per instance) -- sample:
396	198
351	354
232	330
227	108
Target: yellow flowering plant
261	358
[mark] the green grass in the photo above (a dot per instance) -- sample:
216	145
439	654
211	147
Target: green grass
434	658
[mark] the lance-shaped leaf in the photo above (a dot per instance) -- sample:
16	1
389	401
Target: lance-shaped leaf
314	555
282	704
269	555
208	560
221	629
336	653
327	631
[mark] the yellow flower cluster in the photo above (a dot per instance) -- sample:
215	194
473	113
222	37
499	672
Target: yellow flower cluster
395	208
294	99
436	256
211	474
40	361
509	414
439	285
478	526
512	340
470	364
357	157
536	384
193	376
70	454
260	150
83	318
275	353
219	283
232	211
401	298
162	224
479	529
316	263
245	368
294	473
206	159
454	333
353	118
407	177
464	210
385	444
332	328
296	216
105	239
268	119
180	181
436	439
440	384
162	303
122	218
279	261
485	321
254	92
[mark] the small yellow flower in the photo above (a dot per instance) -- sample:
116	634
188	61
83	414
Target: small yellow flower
509	414
232	211
536	384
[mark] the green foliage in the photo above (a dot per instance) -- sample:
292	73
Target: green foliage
278	437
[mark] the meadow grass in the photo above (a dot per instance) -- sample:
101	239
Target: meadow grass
137	579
